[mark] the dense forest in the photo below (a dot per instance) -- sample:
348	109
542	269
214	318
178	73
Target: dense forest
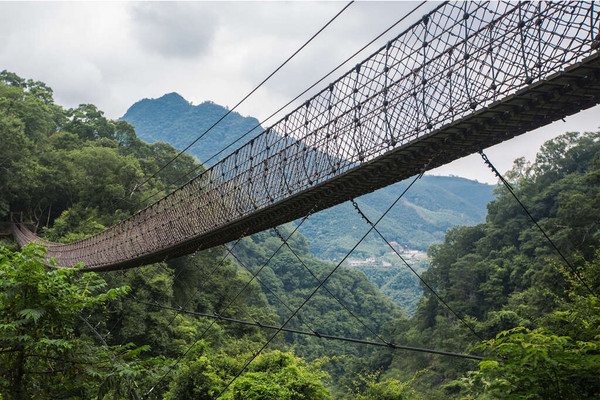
497	289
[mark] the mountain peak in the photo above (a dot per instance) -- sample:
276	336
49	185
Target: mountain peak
172	119
173	102
173	97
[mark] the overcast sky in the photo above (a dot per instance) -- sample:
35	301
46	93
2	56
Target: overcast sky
114	54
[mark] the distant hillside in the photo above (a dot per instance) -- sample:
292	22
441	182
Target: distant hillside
432	206
173	120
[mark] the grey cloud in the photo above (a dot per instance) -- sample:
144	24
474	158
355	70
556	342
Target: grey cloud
360	23
183	30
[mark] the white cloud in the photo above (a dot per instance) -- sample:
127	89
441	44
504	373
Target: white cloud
113	54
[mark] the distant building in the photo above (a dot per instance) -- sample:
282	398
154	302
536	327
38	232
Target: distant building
369	261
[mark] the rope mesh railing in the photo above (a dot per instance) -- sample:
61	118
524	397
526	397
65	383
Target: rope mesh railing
458	60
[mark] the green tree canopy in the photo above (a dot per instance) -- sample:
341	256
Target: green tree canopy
43	353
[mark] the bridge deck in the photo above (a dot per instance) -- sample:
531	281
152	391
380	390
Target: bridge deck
466	76
576	89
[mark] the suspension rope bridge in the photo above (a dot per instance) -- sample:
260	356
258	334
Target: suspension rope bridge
464	77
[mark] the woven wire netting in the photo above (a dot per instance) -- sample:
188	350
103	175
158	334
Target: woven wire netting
459	58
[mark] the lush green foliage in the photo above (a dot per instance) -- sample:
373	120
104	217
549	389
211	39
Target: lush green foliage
291	281
539	365
55	159
77	175
43	353
275	375
371	387
75	171
503	274
558	360
396	281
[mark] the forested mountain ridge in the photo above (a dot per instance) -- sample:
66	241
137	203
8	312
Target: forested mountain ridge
76	171
172	119
432	206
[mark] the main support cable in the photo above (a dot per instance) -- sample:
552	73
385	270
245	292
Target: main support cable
324	281
315	334
182	177
104	344
164	297
93	330
198	288
512	192
465	323
175	278
226	307
177	310
274	294
248	95
356	317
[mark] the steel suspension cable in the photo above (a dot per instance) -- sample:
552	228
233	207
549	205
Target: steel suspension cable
104	344
273	293
314	334
356	317
225	308
176	277
322	283
464	322
201	286
507	185
249	94
181	178
177	310
123	275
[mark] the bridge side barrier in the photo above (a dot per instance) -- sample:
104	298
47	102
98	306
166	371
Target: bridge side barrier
466	75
